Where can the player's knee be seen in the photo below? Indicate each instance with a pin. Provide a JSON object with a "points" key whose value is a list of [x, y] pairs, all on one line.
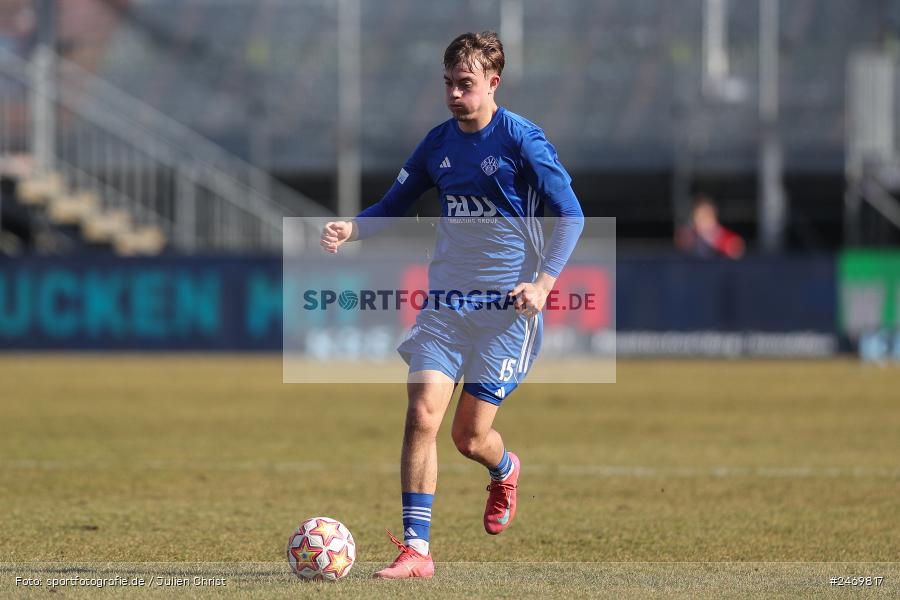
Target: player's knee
{"points": [[466, 442], [422, 419]]}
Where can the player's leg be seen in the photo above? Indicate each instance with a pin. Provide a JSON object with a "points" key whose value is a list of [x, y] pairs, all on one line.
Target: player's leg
{"points": [[476, 439], [435, 364], [499, 362], [429, 393], [473, 431]]}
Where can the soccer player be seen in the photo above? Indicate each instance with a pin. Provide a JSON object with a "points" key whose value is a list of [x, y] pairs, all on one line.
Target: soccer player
{"points": [[495, 172]]}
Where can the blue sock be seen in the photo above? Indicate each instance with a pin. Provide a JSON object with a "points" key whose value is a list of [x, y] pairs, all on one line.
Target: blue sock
{"points": [[502, 471], [417, 520]]}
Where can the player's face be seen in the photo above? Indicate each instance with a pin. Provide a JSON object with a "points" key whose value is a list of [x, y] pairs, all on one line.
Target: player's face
{"points": [[468, 93]]}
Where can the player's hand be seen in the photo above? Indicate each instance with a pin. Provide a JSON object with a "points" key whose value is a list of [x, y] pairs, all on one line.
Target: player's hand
{"points": [[530, 298], [334, 234]]}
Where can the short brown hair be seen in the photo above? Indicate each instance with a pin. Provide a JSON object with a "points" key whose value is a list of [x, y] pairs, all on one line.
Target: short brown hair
{"points": [[473, 49]]}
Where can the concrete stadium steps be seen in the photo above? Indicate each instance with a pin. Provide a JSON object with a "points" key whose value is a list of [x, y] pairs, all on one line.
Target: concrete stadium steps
{"points": [[102, 228], [80, 214], [38, 189], [72, 209], [149, 240]]}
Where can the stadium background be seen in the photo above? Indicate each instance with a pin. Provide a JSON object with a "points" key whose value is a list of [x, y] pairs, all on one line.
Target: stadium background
{"points": [[150, 148], [157, 115]]}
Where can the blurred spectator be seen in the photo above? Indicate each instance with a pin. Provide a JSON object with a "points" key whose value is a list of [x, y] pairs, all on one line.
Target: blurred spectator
{"points": [[704, 236]]}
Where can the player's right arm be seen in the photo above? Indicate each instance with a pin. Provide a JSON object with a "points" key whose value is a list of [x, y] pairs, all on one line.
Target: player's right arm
{"points": [[412, 181], [336, 233]]}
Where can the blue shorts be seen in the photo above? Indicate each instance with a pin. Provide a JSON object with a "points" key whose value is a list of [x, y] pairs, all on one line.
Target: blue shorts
{"points": [[492, 350]]}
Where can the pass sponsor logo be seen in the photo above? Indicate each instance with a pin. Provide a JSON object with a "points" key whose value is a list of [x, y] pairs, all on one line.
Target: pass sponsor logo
{"points": [[470, 206]]}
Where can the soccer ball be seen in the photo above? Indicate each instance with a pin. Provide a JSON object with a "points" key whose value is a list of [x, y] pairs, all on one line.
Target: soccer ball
{"points": [[321, 549]]}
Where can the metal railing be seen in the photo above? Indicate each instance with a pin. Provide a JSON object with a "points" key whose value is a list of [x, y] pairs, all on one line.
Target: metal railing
{"points": [[136, 158]]}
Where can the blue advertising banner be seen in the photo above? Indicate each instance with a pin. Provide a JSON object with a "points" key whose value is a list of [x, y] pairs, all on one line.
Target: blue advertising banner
{"points": [[200, 303], [777, 294], [147, 304]]}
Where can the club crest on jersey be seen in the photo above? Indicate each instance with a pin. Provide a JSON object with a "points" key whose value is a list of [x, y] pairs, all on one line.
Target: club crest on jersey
{"points": [[490, 165], [470, 206]]}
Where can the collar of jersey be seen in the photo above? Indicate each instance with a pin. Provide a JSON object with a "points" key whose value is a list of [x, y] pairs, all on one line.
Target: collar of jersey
{"points": [[484, 131]]}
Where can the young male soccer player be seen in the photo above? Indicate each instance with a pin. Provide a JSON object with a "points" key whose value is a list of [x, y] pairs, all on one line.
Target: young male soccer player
{"points": [[495, 172]]}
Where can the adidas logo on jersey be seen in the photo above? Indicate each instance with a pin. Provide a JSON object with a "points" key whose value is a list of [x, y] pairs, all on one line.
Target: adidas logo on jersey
{"points": [[445, 164]]}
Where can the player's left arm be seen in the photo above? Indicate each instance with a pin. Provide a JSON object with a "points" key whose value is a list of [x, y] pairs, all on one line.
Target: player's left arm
{"points": [[546, 175], [531, 297]]}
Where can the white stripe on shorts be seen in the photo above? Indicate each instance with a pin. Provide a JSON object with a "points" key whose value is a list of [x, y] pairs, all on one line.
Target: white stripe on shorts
{"points": [[530, 344], [524, 345]]}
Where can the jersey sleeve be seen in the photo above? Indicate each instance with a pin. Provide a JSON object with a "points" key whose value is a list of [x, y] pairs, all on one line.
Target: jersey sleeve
{"points": [[545, 174], [566, 232], [540, 164], [412, 181]]}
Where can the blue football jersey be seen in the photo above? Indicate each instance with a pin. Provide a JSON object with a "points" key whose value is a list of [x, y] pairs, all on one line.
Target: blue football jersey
{"points": [[493, 186]]}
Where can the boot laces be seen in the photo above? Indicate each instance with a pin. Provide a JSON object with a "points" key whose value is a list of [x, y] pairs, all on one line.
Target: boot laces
{"points": [[406, 553], [500, 492]]}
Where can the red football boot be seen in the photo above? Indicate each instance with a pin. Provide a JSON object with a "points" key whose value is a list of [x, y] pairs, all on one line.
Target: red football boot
{"points": [[501, 503], [409, 564]]}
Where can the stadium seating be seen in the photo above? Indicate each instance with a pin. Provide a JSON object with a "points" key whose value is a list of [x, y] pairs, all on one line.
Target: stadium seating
{"points": [[603, 79], [617, 85]]}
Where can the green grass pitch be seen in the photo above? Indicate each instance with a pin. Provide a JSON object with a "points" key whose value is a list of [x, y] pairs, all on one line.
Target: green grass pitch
{"points": [[684, 479]]}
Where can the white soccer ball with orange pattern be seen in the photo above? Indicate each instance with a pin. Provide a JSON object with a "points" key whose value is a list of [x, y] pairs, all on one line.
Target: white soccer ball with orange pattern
{"points": [[321, 549]]}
